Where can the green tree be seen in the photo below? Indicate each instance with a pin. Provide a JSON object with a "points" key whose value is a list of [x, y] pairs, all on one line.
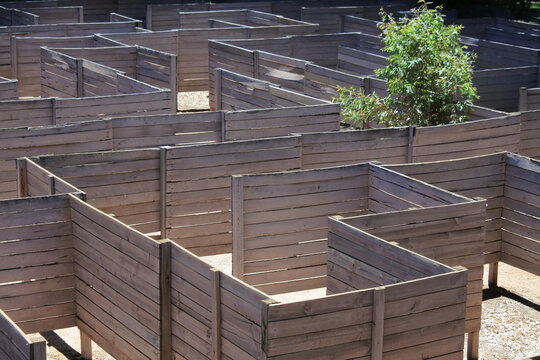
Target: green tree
{"points": [[429, 74]]}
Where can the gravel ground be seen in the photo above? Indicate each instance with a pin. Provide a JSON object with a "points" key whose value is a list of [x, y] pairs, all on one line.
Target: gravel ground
{"points": [[193, 100]]}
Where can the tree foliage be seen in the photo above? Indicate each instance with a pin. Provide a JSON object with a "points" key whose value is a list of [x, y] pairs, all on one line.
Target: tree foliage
{"points": [[429, 74]]}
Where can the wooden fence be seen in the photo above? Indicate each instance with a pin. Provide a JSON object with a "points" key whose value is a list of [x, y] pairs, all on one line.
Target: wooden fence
{"points": [[349, 60], [120, 312], [145, 65], [36, 275], [198, 187], [33, 180], [8, 89], [322, 149], [196, 28], [167, 16], [7, 52], [26, 54], [165, 41], [530, 130], [390, 146], [178, 305], [385, 305], [15, 345], [529, 99], [481, 176], [14, 17], [133, 132], [452, 235], [330, 18], [280, 220], [506, 181], [124, 184], [214, 315], [467, 139], [57, 15], [521, 223], [286, 61], [352, 23]]}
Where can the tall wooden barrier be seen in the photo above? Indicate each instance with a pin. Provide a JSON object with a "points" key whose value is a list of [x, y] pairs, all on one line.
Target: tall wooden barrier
{"points": [[285, 110], [34, 180], [500, 88], [369, 322], [14, 17], [143, 64], [8, 89], [165, 41], [238, 92], [330, 18], [466, 139], [9, 50], [521, 214], [196, 28], [529, 99], [279, 220], [197, 187], [57, 15], [119, 311], [322, 149], [91, 136], [88, 90], [507, 181], [25, 53], [255, 124], [213, 316], [15, 345], [37, 267], [530, 130], [453, 235], [167, 16], [353, 23], [481, 176], [156, 130], [121, 183]]}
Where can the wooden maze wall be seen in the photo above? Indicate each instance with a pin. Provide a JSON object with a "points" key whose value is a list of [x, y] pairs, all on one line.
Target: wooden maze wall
{"points": [[95, 208]]}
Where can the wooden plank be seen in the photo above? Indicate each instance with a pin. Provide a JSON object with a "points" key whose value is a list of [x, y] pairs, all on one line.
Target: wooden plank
{"points": [[377, 332], [165, 300]]}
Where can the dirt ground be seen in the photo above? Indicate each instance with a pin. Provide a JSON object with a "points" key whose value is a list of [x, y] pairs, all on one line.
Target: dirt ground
{"points": [[510, 327]]}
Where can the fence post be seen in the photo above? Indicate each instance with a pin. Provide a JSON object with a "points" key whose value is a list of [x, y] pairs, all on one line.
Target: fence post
{"points": [[377, 331], [53, 110], [38, 348], [410, 150], [522, 99], [174, 84], [86, 345], [22, 178], [256, 55], [473, 344], [223, 124], [81, 14], [237, 208], [165, 307], [80, 84], [13, 55], [52, 187], [217, 89], [215, 278], [163, 190], [149, 17], [493, 274]]}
